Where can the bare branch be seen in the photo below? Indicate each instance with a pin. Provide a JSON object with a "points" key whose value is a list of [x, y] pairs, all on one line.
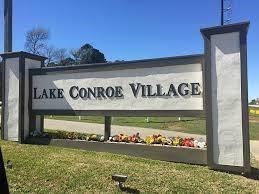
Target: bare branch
{"points": [[36, 40], [50, 53], [60, 55]]}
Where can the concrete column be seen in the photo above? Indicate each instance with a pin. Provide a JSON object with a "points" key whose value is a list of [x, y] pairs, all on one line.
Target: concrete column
{"points": [[107, 127], [226, 97], [15, 121]]}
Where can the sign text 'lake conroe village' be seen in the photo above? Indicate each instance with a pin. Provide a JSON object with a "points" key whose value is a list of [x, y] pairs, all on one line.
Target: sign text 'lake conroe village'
{"points": [[138, 90]]}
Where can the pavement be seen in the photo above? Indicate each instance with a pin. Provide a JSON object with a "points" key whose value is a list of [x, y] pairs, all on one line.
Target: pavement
{"points": [[95, 128], [116, 129]]}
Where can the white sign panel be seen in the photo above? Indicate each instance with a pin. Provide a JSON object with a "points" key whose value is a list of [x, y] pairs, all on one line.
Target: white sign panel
{"points": [[176, 87]]}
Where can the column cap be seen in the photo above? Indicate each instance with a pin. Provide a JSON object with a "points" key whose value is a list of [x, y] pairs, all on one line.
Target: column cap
{"points": [[22, 54], [236, 27]]}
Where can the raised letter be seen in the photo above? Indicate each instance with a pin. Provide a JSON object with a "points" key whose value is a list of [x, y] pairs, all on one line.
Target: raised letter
{"points": [[44, 94], [110, 92], [143, 87], [35, 94], [52, 93], [180, 89], [91, 92], [82, 93], [159, 90], [134, 89], [100, 92], [172, 89], [118, 92], [60, 93], [71, 92], [149, 91], [195, 89]]}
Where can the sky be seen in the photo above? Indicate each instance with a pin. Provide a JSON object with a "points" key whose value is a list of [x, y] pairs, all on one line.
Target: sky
{"points": [[133, 29]]}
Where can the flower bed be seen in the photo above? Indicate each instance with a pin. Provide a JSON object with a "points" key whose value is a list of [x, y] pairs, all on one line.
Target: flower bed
{"points": [[135, 138], [159, 139]]}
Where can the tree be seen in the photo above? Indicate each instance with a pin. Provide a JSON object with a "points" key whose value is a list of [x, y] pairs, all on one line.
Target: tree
{"points": [[253, 102], [76, 56], [36, 43], [36, 40], [60, 58], [60, 54], [117, 61], [50, 53], [67, 62], [88, 54]]}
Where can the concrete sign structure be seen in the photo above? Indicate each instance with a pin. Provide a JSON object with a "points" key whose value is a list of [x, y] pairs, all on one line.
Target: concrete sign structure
{"points": [[227, 96], [168, 84], [209, 85], [15, 94]]}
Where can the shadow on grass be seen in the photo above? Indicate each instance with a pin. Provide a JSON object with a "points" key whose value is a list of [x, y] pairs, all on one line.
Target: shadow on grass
{"points": [[38, 141], [129, 190], [254, 174]]}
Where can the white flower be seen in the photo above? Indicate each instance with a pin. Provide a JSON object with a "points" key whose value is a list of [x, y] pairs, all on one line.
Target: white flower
{"points": [[201, 144], [195, 143]]}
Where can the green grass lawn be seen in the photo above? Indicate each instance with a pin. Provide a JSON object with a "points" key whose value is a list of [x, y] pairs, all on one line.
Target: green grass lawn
{"points": [[186, 124], [254, 131], [47, 169]]}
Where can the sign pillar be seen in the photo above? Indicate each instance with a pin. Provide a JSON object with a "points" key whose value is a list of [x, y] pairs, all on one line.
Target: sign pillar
{"points": [[107, 127], [226, 97], [15, 95]]}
